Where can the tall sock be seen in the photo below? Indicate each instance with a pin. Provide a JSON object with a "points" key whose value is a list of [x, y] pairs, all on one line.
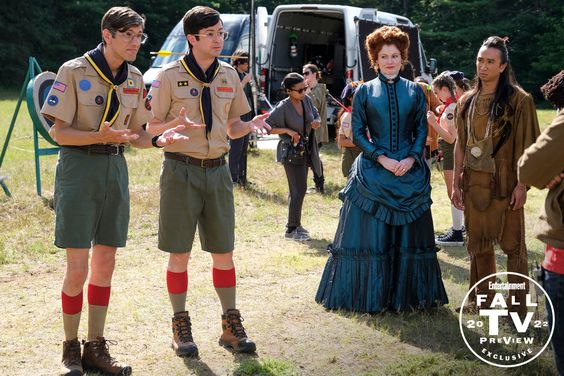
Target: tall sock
{"points": [[457, 218], [72, 307], [177, 285], [98, 301], [224, 282]]}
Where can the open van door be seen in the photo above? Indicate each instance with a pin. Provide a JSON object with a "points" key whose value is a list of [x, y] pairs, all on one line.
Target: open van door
{"points": [[365, 27], [261, 33]]}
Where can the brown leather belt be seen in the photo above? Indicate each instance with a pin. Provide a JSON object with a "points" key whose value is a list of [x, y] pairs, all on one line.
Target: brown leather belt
{"points": [[203, 163], [100, 149]]}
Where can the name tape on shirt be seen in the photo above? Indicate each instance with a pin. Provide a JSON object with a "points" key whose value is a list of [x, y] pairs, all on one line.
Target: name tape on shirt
{"points": [[225, 89], [129, 90]]}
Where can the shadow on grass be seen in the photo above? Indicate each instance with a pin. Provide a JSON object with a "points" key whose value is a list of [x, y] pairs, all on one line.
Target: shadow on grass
{"points": [[455, 273], [252, 189], [198, 367]]}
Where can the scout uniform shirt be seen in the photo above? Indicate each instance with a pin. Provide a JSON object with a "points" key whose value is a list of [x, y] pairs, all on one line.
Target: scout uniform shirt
{"points": [[174, 88], [78, 97]]}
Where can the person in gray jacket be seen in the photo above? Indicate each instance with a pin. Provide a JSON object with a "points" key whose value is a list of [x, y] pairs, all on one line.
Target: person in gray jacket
{"points": [[293, 119]]}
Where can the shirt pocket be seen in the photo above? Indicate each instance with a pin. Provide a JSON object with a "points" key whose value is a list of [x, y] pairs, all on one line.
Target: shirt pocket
{"points": [[224, 92], [130, 100], [91, 105]]}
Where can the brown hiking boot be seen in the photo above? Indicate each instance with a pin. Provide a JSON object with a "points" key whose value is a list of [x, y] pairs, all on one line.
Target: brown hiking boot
{"points": [[96, 358], [71, 364], [182, 341], [234, 336]]}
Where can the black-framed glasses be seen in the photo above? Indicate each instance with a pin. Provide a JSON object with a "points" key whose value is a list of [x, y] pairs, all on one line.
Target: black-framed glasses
{"points": [[214, 34], [129, 36], [299, 91], [306, 73]]}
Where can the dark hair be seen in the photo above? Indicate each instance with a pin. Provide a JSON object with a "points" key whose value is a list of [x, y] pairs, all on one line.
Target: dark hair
{"points": [[506, 85], [199, 18], [462, 82], [120, 19], [386, 35], [292, 79], [239, 57], [553, 90], [313, 68], [445, 80]]}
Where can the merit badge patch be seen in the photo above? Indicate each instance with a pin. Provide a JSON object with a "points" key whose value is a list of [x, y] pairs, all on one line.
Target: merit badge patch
{"points": [[194, 92], [59, 86], [52, 100], [148, 103], [156, 84], [182, 83], [131, 90], [130, 83], [225, 89], [85, 85], [99, 100]]}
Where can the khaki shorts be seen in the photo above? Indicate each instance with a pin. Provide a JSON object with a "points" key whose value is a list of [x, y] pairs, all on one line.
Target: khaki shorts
{"points": [[190, 196], [91, 199]]}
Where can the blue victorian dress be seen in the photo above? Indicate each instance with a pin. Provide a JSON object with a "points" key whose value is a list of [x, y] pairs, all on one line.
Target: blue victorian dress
{"points": [[383, 256]]}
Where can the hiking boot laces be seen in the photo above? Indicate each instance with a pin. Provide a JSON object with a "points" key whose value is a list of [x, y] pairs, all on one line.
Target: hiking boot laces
{"points": [[235, 321], [184, 329], [102, 350]]}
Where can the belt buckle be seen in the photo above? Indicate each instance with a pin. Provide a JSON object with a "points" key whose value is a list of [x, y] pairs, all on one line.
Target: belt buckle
{"points": [[202, 163], [117, 149]]}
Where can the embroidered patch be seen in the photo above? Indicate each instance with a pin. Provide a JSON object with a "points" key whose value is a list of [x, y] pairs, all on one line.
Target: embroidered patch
{"points": [[148, 103], [126, 120], [194, 92], [99, 100], [450, 116], [52, 100], [149, 97], [128, 90], [59, 86], [224, 81], [225, 89], [156, 84], [130, 83], [85, 85], [182, 83]]}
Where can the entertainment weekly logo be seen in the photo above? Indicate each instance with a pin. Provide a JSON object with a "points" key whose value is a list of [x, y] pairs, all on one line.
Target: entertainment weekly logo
{"points": [[495, 332]]}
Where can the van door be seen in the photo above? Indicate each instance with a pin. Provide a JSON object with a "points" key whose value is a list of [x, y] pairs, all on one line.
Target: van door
{"points": [[365, 27]]}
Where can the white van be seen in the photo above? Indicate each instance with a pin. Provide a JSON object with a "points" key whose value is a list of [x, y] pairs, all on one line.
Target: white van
{"points": [[332, 37]]}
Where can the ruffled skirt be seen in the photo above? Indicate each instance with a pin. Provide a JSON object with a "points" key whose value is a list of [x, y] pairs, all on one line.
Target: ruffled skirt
{"points": [[374, 266]]}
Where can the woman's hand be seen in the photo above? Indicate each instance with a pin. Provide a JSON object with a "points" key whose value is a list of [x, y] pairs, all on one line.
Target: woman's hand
{"points": [[294, 135], [404, 166], [388, 163]]}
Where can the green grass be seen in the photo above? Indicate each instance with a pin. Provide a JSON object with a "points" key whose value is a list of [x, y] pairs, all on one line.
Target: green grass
{"points": [[277, 281]]}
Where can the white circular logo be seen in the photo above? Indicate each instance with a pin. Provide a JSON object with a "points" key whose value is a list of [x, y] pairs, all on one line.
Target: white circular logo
{"points": [[505, 324]]}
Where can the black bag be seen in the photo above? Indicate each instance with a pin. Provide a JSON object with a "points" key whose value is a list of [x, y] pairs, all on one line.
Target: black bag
{"points": [[297, 154]]}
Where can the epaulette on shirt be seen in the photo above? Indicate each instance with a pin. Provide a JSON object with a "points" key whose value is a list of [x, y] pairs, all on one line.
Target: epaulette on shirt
{"points": [[78, 62], [133, 70]]}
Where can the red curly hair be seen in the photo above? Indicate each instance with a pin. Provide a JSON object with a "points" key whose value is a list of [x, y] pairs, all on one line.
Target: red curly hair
{"points": [[386, 35]]}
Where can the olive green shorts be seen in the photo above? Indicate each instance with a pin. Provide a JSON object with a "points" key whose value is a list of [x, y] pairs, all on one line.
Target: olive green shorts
{"points": [[91, 199], [190, 196]]}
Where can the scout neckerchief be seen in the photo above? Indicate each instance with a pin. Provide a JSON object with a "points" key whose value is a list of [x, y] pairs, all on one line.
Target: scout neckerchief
{"points": [[96, 58], [448, 102], [204, 79]]}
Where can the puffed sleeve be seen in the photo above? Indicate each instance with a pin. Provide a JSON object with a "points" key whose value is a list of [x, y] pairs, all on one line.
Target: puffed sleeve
{"points": [[360, 125]]}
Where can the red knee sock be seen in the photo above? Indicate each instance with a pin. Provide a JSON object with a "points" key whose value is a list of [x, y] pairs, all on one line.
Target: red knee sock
{"points": [[99, 296], [176, 283], [224, 278], [71, 304]]}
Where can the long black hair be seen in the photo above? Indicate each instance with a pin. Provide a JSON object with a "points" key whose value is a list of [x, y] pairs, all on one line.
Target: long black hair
{"points": [[506, 86]]}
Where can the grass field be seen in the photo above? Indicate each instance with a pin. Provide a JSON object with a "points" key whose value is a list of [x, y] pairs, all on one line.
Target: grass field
{"points": [[277, 282]]}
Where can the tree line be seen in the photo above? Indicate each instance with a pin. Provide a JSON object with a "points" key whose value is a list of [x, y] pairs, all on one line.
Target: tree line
{"points": [[54, 31]]}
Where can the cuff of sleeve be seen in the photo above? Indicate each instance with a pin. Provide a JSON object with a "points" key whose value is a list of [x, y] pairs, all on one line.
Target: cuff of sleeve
{"points": [[375, 154], [416, 156]]}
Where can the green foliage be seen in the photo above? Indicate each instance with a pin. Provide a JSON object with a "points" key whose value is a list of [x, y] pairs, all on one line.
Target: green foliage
{"points": [[452, 31], [268, 367]]}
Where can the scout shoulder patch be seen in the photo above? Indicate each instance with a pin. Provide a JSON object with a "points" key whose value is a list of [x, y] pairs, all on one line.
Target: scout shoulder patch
{"points": [[130, 83], [52, 100], [182, 83], [156, 84]]}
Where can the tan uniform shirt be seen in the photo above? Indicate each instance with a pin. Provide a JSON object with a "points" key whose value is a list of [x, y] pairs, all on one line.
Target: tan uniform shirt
{"points": [[174, 88], [447, 119], [78, 97]]}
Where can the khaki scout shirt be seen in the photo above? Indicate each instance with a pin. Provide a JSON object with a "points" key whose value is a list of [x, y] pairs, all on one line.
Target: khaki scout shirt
{"points": [[174, 88], [78, 97]]}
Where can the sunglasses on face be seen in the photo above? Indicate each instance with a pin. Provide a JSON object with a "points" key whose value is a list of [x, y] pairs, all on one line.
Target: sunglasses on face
{"points": [[307, 73], [299, 91]]}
